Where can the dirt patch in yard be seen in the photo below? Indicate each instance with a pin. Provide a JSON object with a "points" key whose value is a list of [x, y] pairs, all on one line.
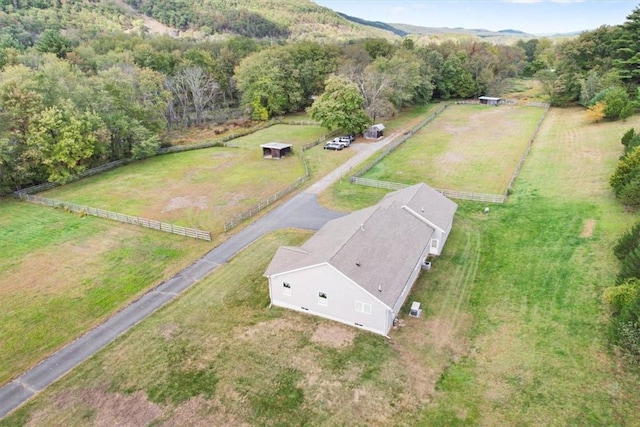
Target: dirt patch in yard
{"points": [[197, 202], [110, 409], [264, 329], [444, 336], [589, 227], [336, 336], [42, 272], [198, 412]]}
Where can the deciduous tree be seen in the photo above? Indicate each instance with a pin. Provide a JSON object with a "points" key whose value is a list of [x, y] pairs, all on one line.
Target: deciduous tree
{"points": [[341, 106]]}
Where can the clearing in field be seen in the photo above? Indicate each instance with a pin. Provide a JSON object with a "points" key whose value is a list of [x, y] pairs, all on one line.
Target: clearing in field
{"points": [[472, 148], [202, 188], [61, 274]]}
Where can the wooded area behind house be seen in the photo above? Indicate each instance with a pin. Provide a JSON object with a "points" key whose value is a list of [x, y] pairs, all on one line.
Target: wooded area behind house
{"points": [[82, 83]]}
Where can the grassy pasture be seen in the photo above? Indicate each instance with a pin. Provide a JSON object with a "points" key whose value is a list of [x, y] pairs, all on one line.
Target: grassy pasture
{"points": [[512, 331], [61, 274], [472, 148], [202, 188]]}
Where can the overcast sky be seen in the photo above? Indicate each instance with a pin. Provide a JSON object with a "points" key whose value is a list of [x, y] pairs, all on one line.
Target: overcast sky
{"points": [[531, 16]]}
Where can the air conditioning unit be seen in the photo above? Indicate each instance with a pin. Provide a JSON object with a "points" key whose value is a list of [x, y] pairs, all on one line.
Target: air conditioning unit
{"points": [[426, 265], [415, 310]]}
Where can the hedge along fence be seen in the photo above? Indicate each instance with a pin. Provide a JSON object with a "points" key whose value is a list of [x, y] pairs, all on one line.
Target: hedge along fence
{"points": [[134, 220], [233, 222], [453, 194]]}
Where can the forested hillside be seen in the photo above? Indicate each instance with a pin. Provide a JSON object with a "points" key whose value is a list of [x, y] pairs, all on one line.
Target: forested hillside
{"points": [[297, 19], [82, 83]]}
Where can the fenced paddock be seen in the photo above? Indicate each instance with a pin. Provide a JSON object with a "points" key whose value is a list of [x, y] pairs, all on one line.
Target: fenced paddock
{"points": [[116, 216], [471, 149], [461, 195], [205, 189]]}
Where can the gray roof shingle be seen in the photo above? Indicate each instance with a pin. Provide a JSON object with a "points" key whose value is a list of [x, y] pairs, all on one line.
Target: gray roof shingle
{"points": [[376, 247]]}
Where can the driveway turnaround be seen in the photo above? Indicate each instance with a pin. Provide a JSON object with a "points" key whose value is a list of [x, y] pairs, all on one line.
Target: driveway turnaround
{"points": [[301, 211]]}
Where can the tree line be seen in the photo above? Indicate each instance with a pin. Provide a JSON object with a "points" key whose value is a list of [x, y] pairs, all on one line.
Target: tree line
{"points": [[624, 297], [68, 104], [70, 100]]}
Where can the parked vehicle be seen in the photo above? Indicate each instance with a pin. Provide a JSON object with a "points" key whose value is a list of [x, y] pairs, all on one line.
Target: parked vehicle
{"points": [[349, 138], [338, 140], [345, 139], [333, 146]]}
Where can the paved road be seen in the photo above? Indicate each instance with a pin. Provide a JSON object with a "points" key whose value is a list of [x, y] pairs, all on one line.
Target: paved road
{"points": [[301, 211]]}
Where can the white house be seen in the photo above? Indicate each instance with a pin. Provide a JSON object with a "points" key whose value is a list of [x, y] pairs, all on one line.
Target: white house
{"points": [[359, 269]]}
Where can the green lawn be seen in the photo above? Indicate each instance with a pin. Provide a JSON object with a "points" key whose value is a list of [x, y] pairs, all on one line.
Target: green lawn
{"points": [[200, 188], [61, 274], [466, 148], [513, 329]]}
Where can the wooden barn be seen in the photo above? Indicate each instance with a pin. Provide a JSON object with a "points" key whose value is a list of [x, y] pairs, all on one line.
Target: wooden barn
{"points": [[360, 268], [489, 100], [275, 150], [374, 131]]}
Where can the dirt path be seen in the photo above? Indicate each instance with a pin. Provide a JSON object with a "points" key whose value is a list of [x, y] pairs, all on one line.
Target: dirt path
{"points": [[153, 26]]}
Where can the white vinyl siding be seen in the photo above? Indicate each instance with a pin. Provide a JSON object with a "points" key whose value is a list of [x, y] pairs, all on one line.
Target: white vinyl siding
{"points": [[363, 307], [322, 299], [286, 288]]}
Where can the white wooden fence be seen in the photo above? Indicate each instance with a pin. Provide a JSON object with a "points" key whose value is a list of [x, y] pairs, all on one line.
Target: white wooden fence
{"points": [[262, 205], [115, 216], [453, 194]]}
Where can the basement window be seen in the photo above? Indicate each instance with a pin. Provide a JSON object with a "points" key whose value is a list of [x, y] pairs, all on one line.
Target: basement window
{"points": [[322, 299], [286, 288], [363, 307]]}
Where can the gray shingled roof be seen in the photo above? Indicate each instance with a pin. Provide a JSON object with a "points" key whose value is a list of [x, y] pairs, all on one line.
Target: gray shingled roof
{"points": [[276, 145], [375, 247], [427, 202]]}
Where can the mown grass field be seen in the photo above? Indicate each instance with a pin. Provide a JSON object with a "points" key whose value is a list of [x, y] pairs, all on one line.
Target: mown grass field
{"points": [[513, 330], [202, 188], [473, 148], [61, 274]]}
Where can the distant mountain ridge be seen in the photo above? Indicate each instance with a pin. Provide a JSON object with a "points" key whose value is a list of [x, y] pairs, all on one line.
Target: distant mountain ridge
{"points": [[376, 24], [478, 32]]}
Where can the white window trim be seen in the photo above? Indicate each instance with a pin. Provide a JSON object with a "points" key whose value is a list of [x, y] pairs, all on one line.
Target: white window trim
{"points": [[363, 307], [435, 243], [323, 301], [286, 288]]}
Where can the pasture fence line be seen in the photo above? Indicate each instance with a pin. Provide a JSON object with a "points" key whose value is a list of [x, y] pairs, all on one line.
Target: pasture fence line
{"points": [[502, 101], [453, 194], [395, 144], [89, 172], [233, 222], [217, 142], [115, 216], [516, 172], [538, 104]]}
